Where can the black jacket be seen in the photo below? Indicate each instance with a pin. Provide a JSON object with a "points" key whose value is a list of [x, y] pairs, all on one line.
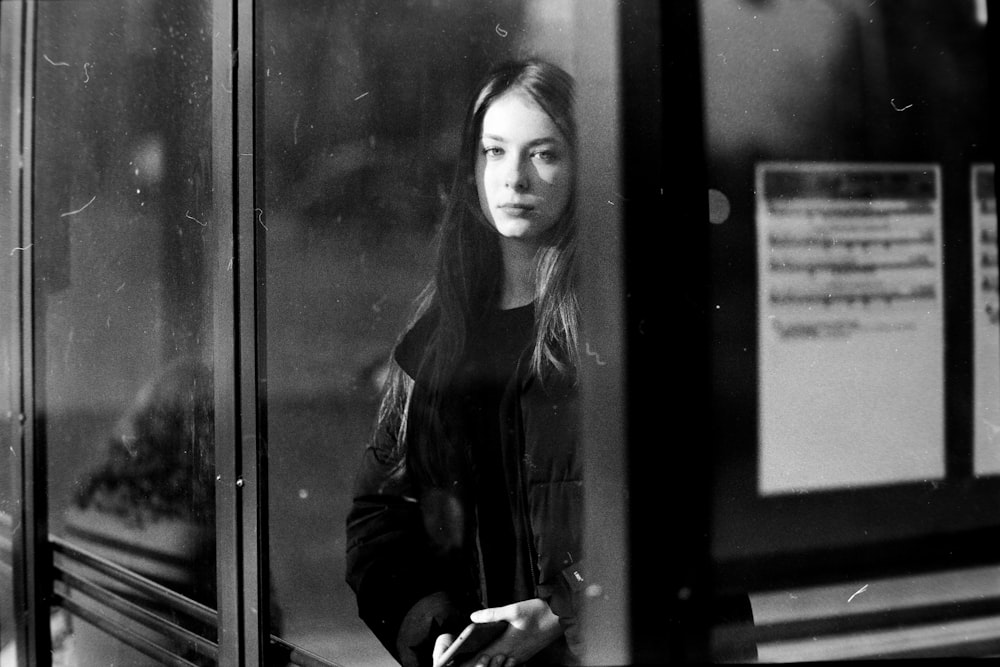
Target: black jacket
{"points": [[409, 590]]}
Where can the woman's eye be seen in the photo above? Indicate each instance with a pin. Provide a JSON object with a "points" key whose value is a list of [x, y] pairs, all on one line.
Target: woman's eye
{"points": [[492, 151], [545, 156]]}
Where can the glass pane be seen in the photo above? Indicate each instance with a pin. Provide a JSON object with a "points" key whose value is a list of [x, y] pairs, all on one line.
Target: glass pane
{"points": [[122, 292], [363, 105]]}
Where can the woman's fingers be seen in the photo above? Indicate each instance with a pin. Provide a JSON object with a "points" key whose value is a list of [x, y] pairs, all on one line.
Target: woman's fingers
{"points": [[509, 613], [490, 615], [518, 614], [532, 627], [494, 661], [440, 645]]}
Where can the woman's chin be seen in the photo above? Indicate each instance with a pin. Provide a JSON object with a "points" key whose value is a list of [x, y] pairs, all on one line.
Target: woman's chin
{"points": [[520, 229]]}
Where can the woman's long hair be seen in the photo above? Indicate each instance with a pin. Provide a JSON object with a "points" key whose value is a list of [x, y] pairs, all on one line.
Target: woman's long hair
{"points": [[467, 284]]}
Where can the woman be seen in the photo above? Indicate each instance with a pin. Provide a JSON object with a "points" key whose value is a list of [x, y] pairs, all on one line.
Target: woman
{"points": [[468, 499]]}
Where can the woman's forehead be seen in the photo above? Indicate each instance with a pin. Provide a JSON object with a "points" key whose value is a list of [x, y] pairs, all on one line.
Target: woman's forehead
{"points": [[515, 115]]}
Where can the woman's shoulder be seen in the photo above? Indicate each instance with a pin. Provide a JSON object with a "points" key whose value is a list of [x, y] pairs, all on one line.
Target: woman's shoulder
{"points": [[410, 348]]}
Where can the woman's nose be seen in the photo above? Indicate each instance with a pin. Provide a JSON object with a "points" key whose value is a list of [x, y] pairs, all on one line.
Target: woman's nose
{"points": [[517, 174]]}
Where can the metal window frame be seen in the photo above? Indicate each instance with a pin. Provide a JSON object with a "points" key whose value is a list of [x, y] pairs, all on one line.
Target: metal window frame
{"points": [[29, 548], [241, 455]]}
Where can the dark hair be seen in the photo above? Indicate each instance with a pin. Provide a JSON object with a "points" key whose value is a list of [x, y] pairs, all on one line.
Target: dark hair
{"points": [[468, 277]]}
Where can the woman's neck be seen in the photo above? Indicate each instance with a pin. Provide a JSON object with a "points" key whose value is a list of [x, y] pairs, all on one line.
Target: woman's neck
{"points": [[518, 273]]}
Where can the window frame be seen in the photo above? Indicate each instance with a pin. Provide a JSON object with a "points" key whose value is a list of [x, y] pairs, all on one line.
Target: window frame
{"points": [[29, 548]]}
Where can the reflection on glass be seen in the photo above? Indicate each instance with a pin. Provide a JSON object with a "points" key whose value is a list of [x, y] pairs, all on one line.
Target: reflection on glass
{"points": [[123, 303], [362, 114]]}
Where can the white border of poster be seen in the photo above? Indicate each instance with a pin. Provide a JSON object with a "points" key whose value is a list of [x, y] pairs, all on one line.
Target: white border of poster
{"points": [[850, 325], [985, 281]]}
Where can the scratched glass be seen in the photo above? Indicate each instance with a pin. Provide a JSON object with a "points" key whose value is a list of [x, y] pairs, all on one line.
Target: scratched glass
{"points": [[362, 112], [123, 300]]}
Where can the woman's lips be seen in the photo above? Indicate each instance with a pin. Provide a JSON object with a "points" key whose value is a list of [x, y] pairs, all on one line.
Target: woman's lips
{"points": [[517, 210]]}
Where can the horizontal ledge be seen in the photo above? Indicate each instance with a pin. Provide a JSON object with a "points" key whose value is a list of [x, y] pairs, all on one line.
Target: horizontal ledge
{"points": [[298, 656], [125, 576], [980, 637], [884, 619], [136, 613], [122, 634]]}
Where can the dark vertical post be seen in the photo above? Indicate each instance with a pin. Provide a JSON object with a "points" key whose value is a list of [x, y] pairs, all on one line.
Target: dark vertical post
{"points": [[666, 331], [32, 558], [251, 228], [240, 445]]}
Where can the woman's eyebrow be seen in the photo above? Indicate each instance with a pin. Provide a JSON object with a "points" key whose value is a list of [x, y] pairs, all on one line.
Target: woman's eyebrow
{"points": [[543, 140], [533, 142]]}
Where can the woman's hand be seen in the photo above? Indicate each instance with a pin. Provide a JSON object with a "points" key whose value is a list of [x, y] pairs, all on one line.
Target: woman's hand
{"points": [[533, 626], [440, 645]]}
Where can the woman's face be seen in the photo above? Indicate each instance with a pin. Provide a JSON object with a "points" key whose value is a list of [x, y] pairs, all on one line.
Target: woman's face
{"points": [[524, 168]]}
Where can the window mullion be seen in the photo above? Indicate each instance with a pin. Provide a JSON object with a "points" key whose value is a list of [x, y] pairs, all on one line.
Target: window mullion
{"points": [[251, 230], [241, 535], [227, 454], [32, 559]]}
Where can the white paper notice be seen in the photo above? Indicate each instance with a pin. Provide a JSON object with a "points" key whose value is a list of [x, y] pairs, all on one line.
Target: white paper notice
{"points": [[987, 336], [851, 338]]}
